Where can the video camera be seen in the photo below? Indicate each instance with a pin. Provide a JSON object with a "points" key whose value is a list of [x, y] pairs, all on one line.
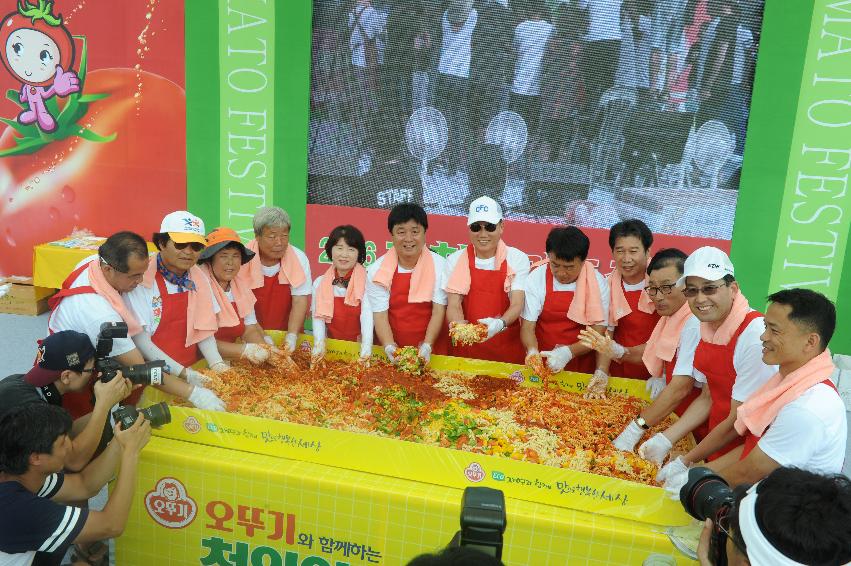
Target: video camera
{"points": [[707, 495], [158, 415], [483, 521], [149, 373]]}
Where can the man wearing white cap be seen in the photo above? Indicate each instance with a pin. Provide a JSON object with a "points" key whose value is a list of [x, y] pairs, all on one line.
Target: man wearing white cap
{"points": [[485, 284], [92, 295], [176, 308], [728, 358]]}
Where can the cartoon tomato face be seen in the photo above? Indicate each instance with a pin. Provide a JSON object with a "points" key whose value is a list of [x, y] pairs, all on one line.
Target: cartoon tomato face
{"points": [[32, 55]]}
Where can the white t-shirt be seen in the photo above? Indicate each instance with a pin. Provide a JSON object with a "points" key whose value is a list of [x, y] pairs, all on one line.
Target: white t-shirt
{"points": [[810, 432], [530, 39], [751, 372], [85, 313], [518, 261], [372, 23], [379, 297], [455, 50], [365, 305], [689, 339], [604, 19], [250, 318], [536, 292], [305, 288], [147, 304]]}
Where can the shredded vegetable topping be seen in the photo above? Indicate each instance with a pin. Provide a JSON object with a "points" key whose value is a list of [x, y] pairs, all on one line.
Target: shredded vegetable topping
{"points": [[467, 333]]}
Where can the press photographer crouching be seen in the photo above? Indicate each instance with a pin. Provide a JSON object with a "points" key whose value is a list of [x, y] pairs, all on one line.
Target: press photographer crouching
{"points": [[36, 524], [792, 517], [66, 364]]}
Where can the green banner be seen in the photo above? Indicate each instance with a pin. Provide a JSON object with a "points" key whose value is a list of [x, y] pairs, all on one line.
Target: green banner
{"points": [[813, 229]]}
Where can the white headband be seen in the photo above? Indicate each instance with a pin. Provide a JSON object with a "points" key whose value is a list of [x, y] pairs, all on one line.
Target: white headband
{"points": [[760, 551]]}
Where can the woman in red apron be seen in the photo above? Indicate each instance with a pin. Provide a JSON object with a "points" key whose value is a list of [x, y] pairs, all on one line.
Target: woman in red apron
{"points": [[493, 296], [341, 307], [221, 261]]}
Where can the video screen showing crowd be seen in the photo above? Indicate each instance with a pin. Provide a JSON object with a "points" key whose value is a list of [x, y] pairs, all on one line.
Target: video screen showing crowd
{"points": [[588, 110]]}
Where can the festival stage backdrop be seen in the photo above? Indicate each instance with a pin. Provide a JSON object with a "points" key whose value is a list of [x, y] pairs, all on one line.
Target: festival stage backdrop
{"points": [[94, 133]]}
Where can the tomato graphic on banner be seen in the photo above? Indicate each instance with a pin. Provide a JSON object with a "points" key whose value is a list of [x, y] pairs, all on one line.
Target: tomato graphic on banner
{"points": [[169, 505], [95, 121]]}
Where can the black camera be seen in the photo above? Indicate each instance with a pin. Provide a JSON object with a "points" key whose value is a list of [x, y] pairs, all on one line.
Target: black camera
{"points": [[483, 521], [158, 415], [150, 373], [707, 495]]}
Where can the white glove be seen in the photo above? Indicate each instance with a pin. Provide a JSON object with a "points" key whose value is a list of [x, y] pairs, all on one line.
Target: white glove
{"points": [[389, 350], [495, 326], [196, 377], [290, 342], [656, 449], [597, 386], [655, 385], [255, 353], [670, 469], [558, 357], [630, 436], [617, 350], [676, 479], [365, 350], [219, 367], [205, 399], [268, 339], [425, 352], [318, 348]]}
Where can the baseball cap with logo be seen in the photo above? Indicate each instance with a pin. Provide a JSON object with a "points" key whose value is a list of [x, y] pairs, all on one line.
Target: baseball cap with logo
{"points": [[484, 209], [707, 262], [183, 227], [56, 353], [222, 237]]}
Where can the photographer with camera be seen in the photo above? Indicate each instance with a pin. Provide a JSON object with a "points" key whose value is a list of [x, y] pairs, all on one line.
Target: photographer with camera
{"points": [[91, 297], [792, 517], [65, 364], [35, 523]]}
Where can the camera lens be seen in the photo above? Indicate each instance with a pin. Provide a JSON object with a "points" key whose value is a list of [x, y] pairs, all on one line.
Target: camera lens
{"points": [[705, 493], [158, 414]]}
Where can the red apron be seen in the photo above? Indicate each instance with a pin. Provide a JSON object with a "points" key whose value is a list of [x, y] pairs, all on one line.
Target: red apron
{"points": [[633, 330], [78, 403], [487, 298], [274, 301], [701, 431], [554, 328], [170, 335], [716, 363], [409, 321], [751, 440], [232, 333], [345, 324]]}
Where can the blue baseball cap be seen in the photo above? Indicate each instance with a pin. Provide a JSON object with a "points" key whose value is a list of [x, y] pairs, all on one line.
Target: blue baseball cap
{"points": [[58, 352]]}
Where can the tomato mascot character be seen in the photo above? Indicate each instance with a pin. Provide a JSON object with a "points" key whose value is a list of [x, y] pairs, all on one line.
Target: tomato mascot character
{"points": [[37, 49]]}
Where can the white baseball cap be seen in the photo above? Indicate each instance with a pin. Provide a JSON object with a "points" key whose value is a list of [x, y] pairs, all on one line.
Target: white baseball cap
{"points": [[183, 227], [484, 209], [707, 262]]}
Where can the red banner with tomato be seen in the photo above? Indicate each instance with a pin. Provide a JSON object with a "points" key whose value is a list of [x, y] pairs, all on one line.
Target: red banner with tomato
{"points": [[94, 110]]}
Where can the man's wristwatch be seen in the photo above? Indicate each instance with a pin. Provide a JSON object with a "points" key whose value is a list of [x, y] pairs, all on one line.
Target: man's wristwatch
{"points": [[639, 420]]}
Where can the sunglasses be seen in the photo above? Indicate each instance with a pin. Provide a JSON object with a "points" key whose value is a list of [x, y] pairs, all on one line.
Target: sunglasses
{"points": [[664, 289], [196, 246], [707, 290], [477, 226]]}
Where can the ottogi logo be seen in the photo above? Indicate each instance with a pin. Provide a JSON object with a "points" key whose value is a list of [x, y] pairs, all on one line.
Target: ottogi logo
{"points": [[516, 376], [474, 472], [191, 425], [169, 505]]}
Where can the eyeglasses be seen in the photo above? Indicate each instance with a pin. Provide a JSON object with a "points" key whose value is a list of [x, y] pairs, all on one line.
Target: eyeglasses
{"points": [[707, 290], [665, 289], [196, 246], [477, 226]]}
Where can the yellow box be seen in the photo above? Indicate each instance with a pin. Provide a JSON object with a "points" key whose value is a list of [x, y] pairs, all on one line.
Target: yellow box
{"points": [[18, 295]]}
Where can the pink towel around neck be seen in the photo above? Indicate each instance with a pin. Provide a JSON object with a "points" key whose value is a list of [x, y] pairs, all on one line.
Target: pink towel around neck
{"points": [[724, 333], [201, 321], [665, 339], [587, 305], [459, 280], [99, 283], [242, 296], [423, 277], [619, 306], [291, 272], [325, 293], [762, 407]]}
